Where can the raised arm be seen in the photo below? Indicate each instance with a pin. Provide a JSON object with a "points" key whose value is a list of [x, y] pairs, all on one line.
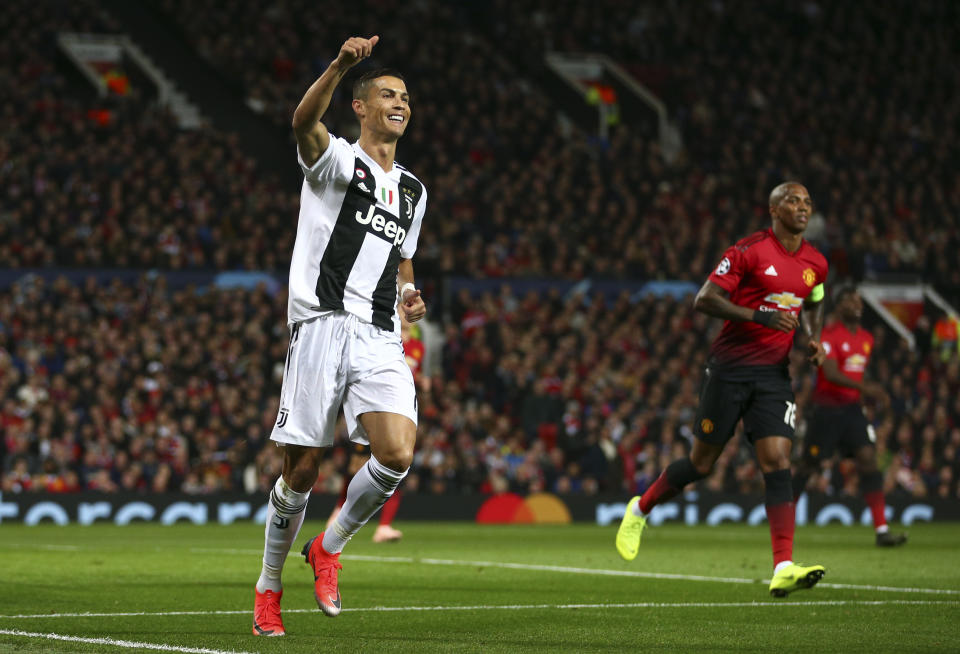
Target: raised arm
{"points": [[312, 136], [714, 301]]}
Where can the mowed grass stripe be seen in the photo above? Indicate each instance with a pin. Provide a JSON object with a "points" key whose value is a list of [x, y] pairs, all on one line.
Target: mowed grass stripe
{"points": [[561, 569], [500, 607], [595, 571], [398, 604], [555, 568]]}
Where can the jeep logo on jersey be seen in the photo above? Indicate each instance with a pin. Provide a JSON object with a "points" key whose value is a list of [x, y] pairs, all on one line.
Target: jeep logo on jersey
{"points": [[785, 300], [382, 225]]}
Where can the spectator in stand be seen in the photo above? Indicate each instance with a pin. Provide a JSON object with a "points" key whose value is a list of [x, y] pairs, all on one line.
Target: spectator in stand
{"points": [[62, 211], [944, 338], [665, 217], [189, 399], [81, 203]]}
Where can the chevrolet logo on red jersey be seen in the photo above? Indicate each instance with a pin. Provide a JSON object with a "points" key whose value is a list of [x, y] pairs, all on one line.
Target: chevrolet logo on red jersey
{"points": [[855, 363], [785, 300]]}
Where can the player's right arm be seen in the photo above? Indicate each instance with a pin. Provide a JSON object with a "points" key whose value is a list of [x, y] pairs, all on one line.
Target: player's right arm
{"points": [[713, 300], [833, 374], [312, 135]]}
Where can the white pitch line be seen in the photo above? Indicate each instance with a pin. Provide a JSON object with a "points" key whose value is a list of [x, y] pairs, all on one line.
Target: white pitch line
{"points": [[132, 614], [888, 589], [129, 644], [42, 546], [511, 607], [593, 571], [587, 571], [666, 575], [601, 571]]}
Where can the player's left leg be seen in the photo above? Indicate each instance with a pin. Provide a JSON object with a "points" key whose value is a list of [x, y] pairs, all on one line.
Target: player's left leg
{"points": [[871, 485], [773, 454], [769, 424], [392, 438], [380, 407], [357, 459]]}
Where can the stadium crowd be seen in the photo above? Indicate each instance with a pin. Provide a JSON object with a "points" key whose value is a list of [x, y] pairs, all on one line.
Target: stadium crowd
{"points": [[521, 192], [139, 387], [526, 197], [114, 182]]}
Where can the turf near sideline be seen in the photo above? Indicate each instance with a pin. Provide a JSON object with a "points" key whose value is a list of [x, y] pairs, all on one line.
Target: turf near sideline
{"points": [[478, 589]]}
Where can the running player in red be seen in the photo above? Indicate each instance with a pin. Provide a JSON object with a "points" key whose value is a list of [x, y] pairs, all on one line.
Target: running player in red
{"points": [[759, 289], [838, 421]]}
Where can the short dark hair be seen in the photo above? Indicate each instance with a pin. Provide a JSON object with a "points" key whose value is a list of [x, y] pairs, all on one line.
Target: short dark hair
{"points": [[361, 85], [842, 291]]}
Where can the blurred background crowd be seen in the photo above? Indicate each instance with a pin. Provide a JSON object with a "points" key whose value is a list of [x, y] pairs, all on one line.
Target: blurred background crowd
{"points": [[139, 385]]}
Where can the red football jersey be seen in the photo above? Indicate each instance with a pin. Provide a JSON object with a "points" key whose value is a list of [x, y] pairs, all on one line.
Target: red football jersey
{"points": [[413, 351], [759, 273], [851, 351]]}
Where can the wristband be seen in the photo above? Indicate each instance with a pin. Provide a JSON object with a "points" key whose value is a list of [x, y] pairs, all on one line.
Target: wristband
{"points": [[763, 317], [406, 287]]}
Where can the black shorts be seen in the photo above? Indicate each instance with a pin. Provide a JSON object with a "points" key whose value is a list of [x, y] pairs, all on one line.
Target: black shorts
{"points": [[833, 428], [762, 397]]}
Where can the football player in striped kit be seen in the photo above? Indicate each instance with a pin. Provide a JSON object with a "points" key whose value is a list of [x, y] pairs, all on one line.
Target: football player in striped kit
{"points": [[351, 270]]}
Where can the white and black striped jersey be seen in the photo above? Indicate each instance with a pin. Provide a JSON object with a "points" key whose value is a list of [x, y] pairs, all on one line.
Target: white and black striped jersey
{"points": [[356, 223]]}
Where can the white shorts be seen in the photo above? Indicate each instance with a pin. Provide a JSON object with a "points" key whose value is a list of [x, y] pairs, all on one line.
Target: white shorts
{"points": [[338, 359]]}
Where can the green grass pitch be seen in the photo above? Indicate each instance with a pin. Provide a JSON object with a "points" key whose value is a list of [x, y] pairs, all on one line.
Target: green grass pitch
{"points": [[457, 587]]}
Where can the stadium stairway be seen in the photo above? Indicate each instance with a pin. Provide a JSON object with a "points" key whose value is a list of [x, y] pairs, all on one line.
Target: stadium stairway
{"points": [[217, 98]]}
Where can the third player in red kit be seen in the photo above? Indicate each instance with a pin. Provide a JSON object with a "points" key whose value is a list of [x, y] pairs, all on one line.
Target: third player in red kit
{"points": [[764, 287], [838, 422]]}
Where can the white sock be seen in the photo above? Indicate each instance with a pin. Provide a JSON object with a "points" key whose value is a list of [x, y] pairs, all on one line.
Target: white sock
{"points": [[368, 491], [285, 513], [780, 566], [636, 510], [882, 529]]}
